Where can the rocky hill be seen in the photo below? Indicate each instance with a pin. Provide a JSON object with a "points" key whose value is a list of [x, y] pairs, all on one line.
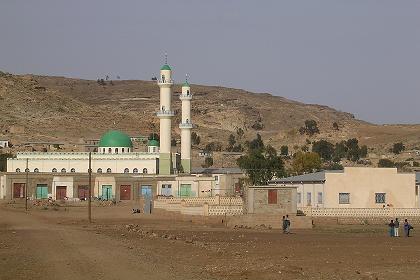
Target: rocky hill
{"points": [[44, 108]]}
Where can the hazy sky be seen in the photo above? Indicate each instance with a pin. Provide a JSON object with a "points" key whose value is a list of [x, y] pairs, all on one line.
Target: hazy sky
{"points": [[359, 56]]}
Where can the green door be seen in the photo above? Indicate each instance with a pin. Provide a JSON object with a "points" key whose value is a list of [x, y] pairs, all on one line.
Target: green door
{"points": [[41, 191], [106, 192], [185, 190]]}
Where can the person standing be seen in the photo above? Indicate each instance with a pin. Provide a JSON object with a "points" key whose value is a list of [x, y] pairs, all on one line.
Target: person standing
{"points": [[284, 224], [396, 227], [391, 228], [287, 224], [407, 228]]}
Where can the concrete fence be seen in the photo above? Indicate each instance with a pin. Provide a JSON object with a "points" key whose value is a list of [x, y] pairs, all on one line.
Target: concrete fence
{"points": [[213, 200], [212, 206], [360, 212]]}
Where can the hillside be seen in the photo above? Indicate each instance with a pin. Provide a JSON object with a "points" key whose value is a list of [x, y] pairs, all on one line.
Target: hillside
{"points": [[71, 110]]}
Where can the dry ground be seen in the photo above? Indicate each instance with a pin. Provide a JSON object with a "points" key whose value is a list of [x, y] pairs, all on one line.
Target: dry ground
{"points": [[60, 244]]}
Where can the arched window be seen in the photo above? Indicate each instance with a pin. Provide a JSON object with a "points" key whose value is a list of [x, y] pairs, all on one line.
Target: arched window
{"points": [[63, 170], [17, 169], [103, 150], [128, 150], [188, 92], [163, 78], [122, 150], [126, 170], [145, 170], [116, 150], [108, 170], [36, 170], [99, 170], [26, 169], [72, 170], [54, 170], [135, 170], [109, 150]]}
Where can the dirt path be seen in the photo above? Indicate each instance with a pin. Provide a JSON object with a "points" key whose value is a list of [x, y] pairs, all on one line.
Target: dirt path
{"points": [[31, 248], [58, 244]]}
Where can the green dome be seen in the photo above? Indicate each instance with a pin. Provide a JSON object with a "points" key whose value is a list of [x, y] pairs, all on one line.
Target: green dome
{"points": [[186, 84], [115, 138], [154, 143], [165, 67]]}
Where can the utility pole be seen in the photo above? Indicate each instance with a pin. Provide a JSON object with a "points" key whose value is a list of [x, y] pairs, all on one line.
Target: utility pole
{"points": [[26, 185], [90, 189]]}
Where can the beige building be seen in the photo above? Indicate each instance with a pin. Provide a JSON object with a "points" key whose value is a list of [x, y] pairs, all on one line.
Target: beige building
{"points": [[355, 187]]}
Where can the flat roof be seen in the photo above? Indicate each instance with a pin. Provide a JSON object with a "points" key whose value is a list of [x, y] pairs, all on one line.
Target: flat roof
{"points": [[227, 170], [309, 177], [418, 177]]}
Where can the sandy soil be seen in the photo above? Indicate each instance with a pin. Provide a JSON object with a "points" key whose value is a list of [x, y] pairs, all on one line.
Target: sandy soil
{"points": [[60, 244]]}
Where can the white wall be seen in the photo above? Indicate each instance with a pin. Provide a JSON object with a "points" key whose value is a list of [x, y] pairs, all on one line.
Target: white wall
{"points": [[117, 163]]}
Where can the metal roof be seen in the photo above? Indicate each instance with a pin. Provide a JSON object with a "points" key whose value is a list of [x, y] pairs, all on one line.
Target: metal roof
{"points": [[310, 177], [227, 170]]}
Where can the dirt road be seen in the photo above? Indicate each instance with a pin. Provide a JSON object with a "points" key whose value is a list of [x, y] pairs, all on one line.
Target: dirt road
{"points": [[61, 245]]}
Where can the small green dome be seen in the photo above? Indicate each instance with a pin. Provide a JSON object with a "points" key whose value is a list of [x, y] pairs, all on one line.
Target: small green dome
{"points": [[154, 143], [165, 67], [186, 84], [115, 138]]}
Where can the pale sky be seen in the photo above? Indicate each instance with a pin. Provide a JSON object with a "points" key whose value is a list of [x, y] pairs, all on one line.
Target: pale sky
{"points": [[359, 56]]}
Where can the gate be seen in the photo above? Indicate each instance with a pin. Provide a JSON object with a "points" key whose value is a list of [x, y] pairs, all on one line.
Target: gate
{"points": [[125, 192], [185, 190], [146, 192], [83, 192], [41, 191], [106, 192], [61, 192], [18, 190]]}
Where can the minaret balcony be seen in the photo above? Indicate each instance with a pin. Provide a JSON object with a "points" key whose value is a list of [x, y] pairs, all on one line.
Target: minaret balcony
{"points": [[186, 125], [185, 96], [165, 82], [165, 113]]}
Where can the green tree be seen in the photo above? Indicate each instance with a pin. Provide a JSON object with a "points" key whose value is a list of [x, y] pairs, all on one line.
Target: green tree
{"points": [[284, 150], [416, 164], [353, 150], [340, 151], [208, 161], [363, 151], [333, 166], [384, 162], [231, 143], [324, 149], [240, 133], [306, 162], [195, 138], [213, 147], [261, 163], [398, 148], [310, 128]]}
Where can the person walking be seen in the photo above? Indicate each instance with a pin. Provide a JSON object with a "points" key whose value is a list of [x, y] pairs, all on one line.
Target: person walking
{"points": [[284, 224], [407, 228], [287, 224], [396, 228], [391, 228]]}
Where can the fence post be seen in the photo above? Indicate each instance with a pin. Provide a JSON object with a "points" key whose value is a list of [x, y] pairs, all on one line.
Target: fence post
{"points": [[206, 209]]}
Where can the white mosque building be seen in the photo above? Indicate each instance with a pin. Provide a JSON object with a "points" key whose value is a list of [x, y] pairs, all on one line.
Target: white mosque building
{"points": [[115, 149]]}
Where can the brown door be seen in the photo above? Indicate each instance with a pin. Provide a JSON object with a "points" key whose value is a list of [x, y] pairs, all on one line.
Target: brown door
{"points": [[61, 192], [125, 192], [18, 190], [83, 192]]}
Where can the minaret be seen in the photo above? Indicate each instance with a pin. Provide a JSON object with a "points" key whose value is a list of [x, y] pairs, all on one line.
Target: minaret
{"points": [[165, 115], [186, 126]]}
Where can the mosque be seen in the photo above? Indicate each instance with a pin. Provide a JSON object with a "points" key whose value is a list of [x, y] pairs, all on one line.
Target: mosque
{"points": [[119, 172], [115, 149]]}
